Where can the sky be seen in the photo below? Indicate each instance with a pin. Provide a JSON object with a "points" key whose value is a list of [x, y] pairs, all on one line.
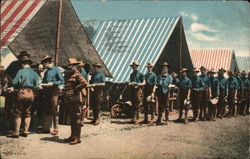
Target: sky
{"points": [[207, 24]]}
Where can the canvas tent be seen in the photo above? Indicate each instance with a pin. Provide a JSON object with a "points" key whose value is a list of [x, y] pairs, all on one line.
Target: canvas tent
{"points": [[154, 40], [31, 25], [217, 58], [243, 63]]}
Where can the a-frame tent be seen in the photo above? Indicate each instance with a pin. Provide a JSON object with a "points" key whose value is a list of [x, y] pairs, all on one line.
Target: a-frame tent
{"points": [[154, 40], [31, 25]]}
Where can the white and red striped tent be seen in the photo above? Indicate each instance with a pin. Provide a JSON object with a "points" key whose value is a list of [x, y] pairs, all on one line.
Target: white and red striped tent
{"points": [[15, 15], [31, 25], [217, 58]]}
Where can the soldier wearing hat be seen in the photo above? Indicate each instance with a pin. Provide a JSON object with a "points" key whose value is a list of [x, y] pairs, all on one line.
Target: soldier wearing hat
{"points": [[246, 93], [11, 72], [238, 105], [25, 81], [222, 92], [81, 69], [214, 91], [149, 91], [197, 87], [204, 94], [15, 66], [184, 85], [232, 85], [52, 79], [137, 80], [163, 82], [98, 79], [74, 85]]}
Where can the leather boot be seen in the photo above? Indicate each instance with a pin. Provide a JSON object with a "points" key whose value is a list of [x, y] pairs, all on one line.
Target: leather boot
{"points": [[166, 117], [77, 133], [17, 128], [47, 119], [26, 127], [55, 124], [158, 121], [180, 115], [97, 118], [186, 117]]}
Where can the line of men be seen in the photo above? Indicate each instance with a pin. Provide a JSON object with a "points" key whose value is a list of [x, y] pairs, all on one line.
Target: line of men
{"points": [[208, 95], [44, 86], [28, 86]]}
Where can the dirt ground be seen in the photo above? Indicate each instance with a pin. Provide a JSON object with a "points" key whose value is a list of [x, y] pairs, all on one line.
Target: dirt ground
{"points": [[116, 139]]}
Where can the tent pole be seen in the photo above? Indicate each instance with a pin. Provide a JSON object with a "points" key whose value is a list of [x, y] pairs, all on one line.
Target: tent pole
{"points": [[180, 51], [58, 32]]}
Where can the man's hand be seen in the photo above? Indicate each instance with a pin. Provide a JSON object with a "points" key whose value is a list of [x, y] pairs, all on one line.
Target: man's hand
{"points": [[10, 89]]}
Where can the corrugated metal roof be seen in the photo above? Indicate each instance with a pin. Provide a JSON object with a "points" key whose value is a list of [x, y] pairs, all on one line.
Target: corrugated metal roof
{"points": [[243, 63], [119, 42], [15, 14], [213, 59]]}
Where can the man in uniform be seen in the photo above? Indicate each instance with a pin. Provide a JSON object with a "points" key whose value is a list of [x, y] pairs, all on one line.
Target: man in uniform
{"points": [[137, 80], [149, 90], [52, 78], [25, 81], [75, 83], [204, 94], [85, 76], [11, 72], [239, 93], [98, 81], [246, 93], [184, 85], [197, 87], [163, 82], [222, 93], [232, 93], [214, 91]]}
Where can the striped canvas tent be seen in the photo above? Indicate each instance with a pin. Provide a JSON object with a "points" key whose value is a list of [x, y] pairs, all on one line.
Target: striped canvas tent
{"points": [[31, 25], [218, 58], [154, 40], [15, 15], [243, 63]]}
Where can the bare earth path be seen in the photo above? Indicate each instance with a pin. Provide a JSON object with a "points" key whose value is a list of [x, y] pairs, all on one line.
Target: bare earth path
{"points": [[115, 139]]}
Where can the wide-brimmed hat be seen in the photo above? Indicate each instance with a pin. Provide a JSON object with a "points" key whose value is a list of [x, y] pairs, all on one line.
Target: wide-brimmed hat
{"points": [[81, 63], [134, 64], [243, 73], [184, 70], [73, 61], [23, 53], [221, 70], [230, 72], [97, 64], [211, 71], [46, 58], [164, 64], [149, 65], [2, 68], [26, 59], [195, 70], [202, 68]]}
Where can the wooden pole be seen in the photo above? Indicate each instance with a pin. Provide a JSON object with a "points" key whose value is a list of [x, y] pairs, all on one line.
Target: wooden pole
{"points": [[180, 46], [58, 33]]}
